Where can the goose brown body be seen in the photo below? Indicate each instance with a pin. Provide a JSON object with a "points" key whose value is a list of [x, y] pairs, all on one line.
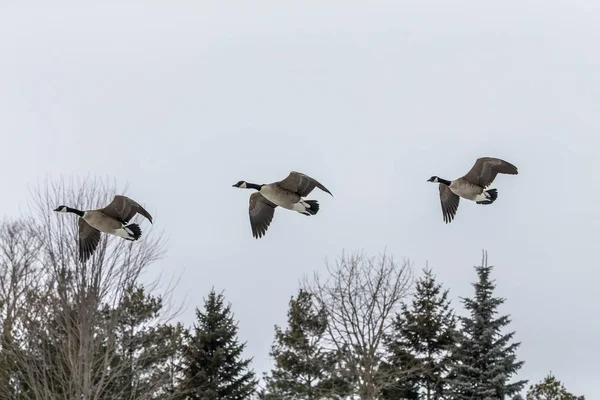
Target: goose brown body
{"points": [[287, 193], [112, 219], [473, 185]]}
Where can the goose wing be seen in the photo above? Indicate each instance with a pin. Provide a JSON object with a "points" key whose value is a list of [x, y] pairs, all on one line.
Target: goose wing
{"points": [[124, 209], [449, 201], [302, 184], [261, 213], [88, 240], [485, 169]]}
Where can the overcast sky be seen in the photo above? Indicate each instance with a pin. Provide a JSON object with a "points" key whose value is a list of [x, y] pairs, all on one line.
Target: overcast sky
{"points": [[183, 99]]}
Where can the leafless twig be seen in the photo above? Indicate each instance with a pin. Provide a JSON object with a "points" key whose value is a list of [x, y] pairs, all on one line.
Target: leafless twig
{"points": [[361, 296]]}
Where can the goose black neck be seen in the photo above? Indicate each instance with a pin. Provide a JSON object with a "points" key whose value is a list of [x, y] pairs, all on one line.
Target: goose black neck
{"points": [[75, 211], [253, 186], [445, 182]]}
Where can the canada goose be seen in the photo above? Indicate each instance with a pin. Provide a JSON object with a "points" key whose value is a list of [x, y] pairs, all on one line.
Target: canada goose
{"points": [[112, 219], [473, 185], [287, 193]]}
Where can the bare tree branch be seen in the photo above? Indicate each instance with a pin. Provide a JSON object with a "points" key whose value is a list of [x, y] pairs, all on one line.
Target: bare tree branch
{"points": [[361, 296], [19, 273], [68, 345]]}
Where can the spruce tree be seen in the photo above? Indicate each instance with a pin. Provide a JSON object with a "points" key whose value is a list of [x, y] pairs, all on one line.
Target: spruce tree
{"points": [[144, 349], [421, 341], [303, 368], [484, 357], [213, 364], [550, 389], [400, 369]]}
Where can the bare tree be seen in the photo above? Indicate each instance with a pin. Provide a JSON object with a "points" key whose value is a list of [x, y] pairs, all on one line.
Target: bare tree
{"points": [[19, 275], [361, 296], [69, 346]]}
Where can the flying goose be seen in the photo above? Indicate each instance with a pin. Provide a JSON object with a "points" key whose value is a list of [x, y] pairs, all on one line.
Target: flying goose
{"points": [[287, 193], [112, 219], [473, 185]]}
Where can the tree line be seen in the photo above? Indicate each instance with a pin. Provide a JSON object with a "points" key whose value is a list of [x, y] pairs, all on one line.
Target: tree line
{"points": [[367, 328]]}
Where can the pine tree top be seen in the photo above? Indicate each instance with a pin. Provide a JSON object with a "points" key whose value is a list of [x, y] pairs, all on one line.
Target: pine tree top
{"points": [[214, 364], [485, 357], [304, 368], [420, 342], [550, 389]]}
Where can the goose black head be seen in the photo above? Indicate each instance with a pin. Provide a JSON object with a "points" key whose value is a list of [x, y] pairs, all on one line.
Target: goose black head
{"points": [[433, 179], [241, 185], [62, 209]]}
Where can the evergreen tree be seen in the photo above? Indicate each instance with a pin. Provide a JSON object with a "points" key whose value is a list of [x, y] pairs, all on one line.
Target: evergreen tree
{"points": [[401, 370], [145, 351], [132, 352], [303, 368], [550, 389], [214, 368], [484, 357], [421, 341]]}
